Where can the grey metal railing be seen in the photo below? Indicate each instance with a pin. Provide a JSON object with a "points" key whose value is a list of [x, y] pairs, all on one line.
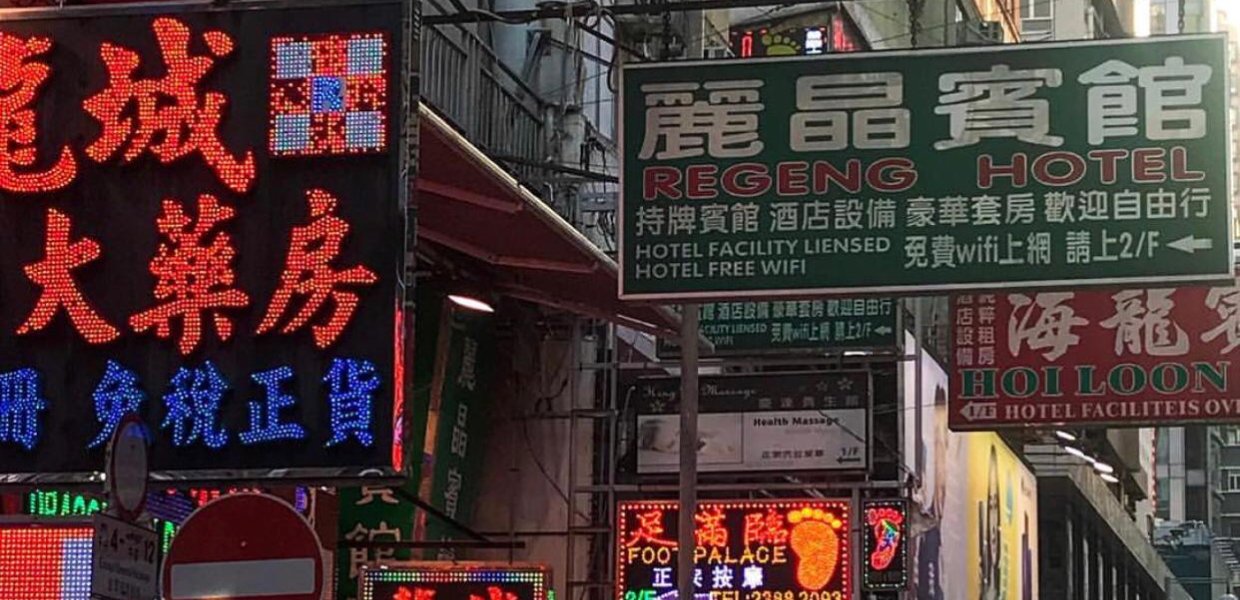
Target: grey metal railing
{"points": [[466, 82]]}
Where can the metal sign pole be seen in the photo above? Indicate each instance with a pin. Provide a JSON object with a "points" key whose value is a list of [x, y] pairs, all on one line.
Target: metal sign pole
{"points": [[688, 448]]}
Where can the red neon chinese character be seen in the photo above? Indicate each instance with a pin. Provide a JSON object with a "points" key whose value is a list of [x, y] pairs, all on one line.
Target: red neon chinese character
{"points": [[170, 118], [20, 80], [194, 274], [418, 593], [765, 528], [54, 275], [711, 531], [649, 529], [494, 593], [308, 272]]}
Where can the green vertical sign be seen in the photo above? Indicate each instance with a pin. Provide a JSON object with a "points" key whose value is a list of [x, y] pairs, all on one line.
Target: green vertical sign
{"points": [[463, 406], [379, 513], [957, 168]]}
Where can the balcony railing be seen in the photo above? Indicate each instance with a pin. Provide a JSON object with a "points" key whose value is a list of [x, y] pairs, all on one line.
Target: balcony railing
{"points": [[467, 83]]}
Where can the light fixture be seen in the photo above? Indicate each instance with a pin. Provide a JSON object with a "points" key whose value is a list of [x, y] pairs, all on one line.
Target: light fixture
{"points": [[470, 302], [1109, 478], [1103, 468], [1077, 452], [1065, 436]]}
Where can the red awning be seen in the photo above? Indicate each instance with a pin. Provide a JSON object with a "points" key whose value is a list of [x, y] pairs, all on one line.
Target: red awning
{"points": [[468, 204]]}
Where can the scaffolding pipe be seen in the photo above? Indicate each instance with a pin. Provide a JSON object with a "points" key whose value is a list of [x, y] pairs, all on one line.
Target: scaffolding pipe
{"points": [[688, 449]]}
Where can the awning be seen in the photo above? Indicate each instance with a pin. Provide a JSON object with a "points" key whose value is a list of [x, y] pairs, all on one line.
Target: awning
{"points": [[469, 205]]}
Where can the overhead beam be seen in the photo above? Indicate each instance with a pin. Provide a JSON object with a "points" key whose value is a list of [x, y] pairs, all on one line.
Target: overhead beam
{"points": [[518, 262], [452, 192], [557, 10]]}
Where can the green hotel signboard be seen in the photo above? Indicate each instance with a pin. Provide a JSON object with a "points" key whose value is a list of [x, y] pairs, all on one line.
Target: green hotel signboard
{"points": [[794, 326], [961, 168]]}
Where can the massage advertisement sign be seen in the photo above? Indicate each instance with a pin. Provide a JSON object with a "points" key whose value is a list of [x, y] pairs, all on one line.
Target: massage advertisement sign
{"points": [[745, 550]]}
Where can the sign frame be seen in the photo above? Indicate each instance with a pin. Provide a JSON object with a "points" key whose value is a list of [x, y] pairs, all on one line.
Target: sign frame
{"points": [[868, 542], [1086, 391], [455, 572], [399, 422], [865, 459], [914, 289], [667, 349], [844, 569]]}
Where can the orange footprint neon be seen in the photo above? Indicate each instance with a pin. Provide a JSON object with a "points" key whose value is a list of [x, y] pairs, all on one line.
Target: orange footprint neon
{"points": [[816, 544]]}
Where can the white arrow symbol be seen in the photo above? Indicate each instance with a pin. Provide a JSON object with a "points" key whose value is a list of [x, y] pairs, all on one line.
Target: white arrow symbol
{"points": [[884, 330], [978, 410], [1191, 244]]}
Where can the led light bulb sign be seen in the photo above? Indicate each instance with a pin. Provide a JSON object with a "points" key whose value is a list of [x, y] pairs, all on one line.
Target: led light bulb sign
{"points": [[745, 550], [885, 551], [203, 228], [459, 581], [42, 561]]}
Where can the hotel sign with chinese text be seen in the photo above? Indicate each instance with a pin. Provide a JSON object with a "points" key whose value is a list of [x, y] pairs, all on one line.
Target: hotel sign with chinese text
{"points": [[1116, 357], [745, 550], [766, 327], [1002, 166], [204, 225]]}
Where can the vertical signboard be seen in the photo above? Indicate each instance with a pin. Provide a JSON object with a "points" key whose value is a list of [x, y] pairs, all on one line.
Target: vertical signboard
{"points": [[1122, 357], [204, 226], [464, 389], [760, 422], [794, 326], [745, 549], [885, 544], [956, 168]]}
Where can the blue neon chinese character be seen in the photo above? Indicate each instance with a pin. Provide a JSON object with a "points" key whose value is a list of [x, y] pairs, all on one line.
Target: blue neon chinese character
{"points": [[352, 383], [116, 395], [194, 399], [21, 401], [270, 428]]}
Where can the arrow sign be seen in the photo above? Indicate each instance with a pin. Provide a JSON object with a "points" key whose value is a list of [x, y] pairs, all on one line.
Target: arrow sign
{"points": [[978, 410], [884, 330], [1191, 244]]}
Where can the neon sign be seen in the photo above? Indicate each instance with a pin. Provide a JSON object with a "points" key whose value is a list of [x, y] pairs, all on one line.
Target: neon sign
{"points": [[45, 562], [886, 554], [186, 243], [476, 582], [745, 550]]}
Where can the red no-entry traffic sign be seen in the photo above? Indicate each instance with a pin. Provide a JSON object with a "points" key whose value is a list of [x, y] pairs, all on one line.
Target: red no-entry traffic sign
{"points": [[244, 547]]}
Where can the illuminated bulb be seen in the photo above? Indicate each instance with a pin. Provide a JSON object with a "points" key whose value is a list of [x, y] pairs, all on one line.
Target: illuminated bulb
{"points": [[1077, 452], [471, 303], [1103, 468], [1065, 436], [1109, 478]]}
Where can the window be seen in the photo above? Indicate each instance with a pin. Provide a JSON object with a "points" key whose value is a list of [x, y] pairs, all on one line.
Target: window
{"points": [[1196, 504], [1162, 498], [1233, 481], [1036, 9]]}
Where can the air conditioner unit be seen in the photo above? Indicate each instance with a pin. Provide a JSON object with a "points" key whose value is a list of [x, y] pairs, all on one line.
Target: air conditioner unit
{"points": [[972, 33]]}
